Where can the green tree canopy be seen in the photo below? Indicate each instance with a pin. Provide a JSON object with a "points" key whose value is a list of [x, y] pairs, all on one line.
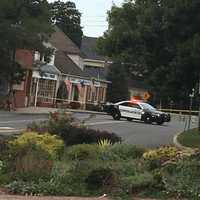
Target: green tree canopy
{"points": [[118, 89], [24, 24], [161, 40], [68, 19]]}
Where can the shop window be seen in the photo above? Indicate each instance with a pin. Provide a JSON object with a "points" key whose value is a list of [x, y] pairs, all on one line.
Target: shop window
{"points": [[62, 92], [46, 90]]}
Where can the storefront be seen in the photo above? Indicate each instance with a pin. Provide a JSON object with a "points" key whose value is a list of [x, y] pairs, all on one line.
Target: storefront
{"points": [[44, 86]]}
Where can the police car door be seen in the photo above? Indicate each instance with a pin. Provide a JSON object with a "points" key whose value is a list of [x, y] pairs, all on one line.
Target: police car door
{"points": [[124, 109], [136, 111]]}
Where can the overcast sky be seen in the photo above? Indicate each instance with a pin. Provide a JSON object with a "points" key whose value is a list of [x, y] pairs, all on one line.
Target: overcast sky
{"points": [[94, 15]]}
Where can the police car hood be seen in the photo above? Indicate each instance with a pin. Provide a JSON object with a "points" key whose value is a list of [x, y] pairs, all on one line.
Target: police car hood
{"points": [[156, 112]]}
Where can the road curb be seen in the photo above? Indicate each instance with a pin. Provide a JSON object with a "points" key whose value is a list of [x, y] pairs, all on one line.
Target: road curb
{"points": [[176, 143]]}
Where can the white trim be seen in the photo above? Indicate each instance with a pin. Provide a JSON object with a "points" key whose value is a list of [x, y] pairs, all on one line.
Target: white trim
{"points": [[47, 76]]}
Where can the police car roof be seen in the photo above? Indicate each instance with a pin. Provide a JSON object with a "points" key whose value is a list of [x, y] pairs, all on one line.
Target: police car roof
{"points": [[130, 101]]}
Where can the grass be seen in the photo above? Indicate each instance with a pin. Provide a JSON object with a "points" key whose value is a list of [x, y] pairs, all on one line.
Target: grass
{"points": [[190, 138]]}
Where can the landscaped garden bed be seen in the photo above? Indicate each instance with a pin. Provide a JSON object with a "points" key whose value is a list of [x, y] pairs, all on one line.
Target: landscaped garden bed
{"points": [[61, 157]]}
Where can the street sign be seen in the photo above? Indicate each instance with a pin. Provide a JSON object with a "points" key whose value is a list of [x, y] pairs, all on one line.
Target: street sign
{"points": [[146, 96]]}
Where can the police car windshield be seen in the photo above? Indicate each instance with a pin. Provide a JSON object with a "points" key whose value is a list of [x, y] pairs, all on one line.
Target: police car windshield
{"points": [[147, 106]]}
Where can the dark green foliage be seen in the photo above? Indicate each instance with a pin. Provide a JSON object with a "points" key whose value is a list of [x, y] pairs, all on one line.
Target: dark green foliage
{"points": [[82, 152], [183, 178], [68, 19], [36, 188], [71, 134], [81, 135], [101, 178], [126, 151], [23, 25], [159, 40], [118, 89]]}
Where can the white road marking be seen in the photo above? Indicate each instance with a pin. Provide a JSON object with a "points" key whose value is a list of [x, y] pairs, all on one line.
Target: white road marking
{"points": [[104, 122], [22, 120], [9, 130], [6, 128]]}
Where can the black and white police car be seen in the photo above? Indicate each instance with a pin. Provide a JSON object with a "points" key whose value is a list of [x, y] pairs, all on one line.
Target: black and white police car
{"points": [[136, 109]]}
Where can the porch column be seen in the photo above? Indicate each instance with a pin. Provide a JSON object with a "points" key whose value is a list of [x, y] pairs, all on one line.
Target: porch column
{"points": [[36, 92]]}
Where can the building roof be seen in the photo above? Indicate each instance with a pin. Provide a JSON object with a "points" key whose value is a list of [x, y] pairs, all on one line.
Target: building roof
{"points": [[66, 65], [47, 68], [96, 72], [63, 43], [88, 48]]}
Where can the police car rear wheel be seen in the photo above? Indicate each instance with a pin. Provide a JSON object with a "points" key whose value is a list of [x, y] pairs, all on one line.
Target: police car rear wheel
{"points": [[116, 115]]}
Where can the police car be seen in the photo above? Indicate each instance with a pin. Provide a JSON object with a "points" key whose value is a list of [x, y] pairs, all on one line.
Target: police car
{"points": [[136, 109]]}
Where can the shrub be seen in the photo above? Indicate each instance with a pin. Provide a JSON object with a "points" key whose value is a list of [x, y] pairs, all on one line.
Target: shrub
{"points": [[162, 154], [80, 135], [32, 140], [57, 123], [32, 155], [82, 152], [182, 178], [64, 126], [40, 187], [138, 182], [126, 151], [102, 178]]}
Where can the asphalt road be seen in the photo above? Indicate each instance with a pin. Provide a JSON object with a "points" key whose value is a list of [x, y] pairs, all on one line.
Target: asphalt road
{"points": [[134, 132]]}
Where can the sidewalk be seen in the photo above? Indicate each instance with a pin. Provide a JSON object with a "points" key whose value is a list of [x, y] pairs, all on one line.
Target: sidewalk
{"points": [[13, 197], [44, 110]]}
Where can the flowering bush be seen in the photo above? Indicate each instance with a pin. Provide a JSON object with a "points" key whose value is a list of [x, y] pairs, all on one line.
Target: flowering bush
{"points": [[162, 154], [51, 144]]}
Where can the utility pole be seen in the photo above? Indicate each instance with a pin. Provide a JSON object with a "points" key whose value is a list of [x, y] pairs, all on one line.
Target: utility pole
{"points": [[191, 101], [199, 104]]}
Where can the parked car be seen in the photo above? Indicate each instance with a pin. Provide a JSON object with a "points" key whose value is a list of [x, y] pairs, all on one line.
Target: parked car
{"points": [[136, 109]]}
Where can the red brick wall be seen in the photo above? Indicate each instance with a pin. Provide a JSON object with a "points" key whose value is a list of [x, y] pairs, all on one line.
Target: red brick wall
{"points": [[25, 58], [20, 95]]}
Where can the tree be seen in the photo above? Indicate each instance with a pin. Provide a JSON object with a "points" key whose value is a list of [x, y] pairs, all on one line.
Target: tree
{"points": [[161, 40], [23, 25], [118, 89], [68, 19]]}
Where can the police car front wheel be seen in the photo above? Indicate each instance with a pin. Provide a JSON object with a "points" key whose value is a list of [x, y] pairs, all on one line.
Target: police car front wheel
{"points": [[148, 119]]}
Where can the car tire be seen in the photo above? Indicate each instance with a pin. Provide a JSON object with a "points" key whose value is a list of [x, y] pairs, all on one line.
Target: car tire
{"points": [[129, 119], [148, 119], [116, 115]]}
